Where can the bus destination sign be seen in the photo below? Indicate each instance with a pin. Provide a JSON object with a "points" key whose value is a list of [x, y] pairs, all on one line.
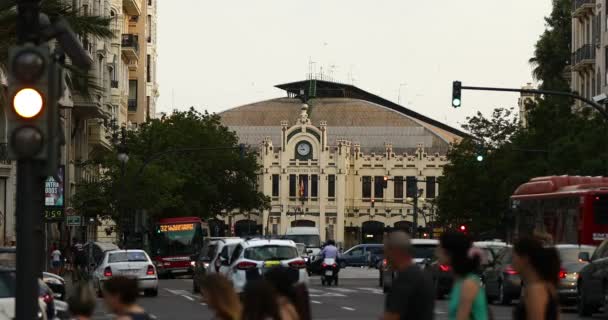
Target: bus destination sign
{"points": [[176, 227]]}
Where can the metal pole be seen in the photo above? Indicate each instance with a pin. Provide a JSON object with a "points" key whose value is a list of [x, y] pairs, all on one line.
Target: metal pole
{"points": [[30, 206], [415, 223]]}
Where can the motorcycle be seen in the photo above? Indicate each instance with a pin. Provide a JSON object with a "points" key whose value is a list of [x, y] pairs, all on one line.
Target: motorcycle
{"points": [[329, 272]]}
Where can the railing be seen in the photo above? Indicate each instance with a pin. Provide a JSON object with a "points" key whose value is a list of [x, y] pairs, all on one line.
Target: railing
{"points": [[130, 41], [585, 52], [132, 104], [4, 154], [579, 3]]}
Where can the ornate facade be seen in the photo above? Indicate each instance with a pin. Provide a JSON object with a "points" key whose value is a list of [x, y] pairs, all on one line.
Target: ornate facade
{"points": [[324, 164]]}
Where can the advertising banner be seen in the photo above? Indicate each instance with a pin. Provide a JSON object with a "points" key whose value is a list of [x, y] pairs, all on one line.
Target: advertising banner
{"points": [[54, 197]]}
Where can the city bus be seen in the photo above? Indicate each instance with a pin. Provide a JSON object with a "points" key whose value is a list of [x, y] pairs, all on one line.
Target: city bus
{"points": [[566, 209], [175, 244]]}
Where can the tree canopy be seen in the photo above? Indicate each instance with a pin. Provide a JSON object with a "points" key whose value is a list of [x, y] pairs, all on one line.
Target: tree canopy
{"points": [[185, 164]]}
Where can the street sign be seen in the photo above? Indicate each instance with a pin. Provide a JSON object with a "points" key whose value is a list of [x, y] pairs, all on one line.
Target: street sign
{"points": [[74, 221]]}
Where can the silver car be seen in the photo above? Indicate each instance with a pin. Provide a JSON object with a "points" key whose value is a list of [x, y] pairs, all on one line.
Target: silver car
{"points": [[129, 263]]}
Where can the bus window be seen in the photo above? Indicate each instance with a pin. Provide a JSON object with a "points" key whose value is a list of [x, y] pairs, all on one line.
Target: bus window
{"points": [[600, 209]]}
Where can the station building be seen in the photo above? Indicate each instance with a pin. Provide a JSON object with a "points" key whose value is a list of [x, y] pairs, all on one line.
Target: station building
{"points": [[323, 162]]}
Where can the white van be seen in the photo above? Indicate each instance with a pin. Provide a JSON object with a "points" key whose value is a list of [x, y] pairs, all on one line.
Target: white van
{"points": [[309, 236]]}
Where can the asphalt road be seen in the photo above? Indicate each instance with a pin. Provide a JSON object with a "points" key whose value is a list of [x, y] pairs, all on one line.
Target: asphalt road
{"points": [[357, 297]]}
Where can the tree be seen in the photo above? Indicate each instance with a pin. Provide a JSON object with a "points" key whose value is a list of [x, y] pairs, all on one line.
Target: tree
{"points": [[167, 175], [86, 26]]}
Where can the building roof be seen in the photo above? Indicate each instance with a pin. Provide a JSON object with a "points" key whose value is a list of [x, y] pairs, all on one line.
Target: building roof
{"points": [[350, 113]]}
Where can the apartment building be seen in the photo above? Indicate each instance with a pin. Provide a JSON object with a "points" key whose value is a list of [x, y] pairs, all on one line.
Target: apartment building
{"points": [[589, 53]]}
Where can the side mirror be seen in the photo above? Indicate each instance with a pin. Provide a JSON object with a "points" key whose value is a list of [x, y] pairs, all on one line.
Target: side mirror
{"points": [[584, 257]]}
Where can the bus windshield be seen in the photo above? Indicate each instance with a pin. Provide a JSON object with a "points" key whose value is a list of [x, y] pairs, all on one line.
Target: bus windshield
{"points": [[178, 239]]}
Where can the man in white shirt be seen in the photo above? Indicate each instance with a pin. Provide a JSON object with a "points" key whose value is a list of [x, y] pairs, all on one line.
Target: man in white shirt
{"points": [[56, 260]]}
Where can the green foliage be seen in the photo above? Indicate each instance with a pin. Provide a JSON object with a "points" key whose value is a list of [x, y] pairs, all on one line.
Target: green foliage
{"points": [[166, 177], [556, 141], [85, 25]]}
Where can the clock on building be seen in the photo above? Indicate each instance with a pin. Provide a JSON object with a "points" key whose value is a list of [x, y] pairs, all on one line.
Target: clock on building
{"points": [[303, 150]]}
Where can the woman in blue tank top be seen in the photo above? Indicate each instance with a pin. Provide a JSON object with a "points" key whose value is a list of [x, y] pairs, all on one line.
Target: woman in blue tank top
{"points": [[468, 298]]}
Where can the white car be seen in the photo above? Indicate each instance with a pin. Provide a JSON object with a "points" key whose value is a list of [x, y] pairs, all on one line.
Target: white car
{"points": [[213, 259], [129, 263], [254, 257]]}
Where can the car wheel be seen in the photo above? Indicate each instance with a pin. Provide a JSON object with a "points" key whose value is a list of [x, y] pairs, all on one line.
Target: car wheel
{"points": [[584, 310], [502, 296], [151, 292], [342, 264]]}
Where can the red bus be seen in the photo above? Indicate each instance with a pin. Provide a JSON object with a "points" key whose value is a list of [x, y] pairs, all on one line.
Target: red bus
{"points": [[571, 209], [175, 243]]}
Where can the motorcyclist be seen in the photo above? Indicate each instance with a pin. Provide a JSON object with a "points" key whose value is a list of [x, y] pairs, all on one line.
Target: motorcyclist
{"points": [[330, 251]]}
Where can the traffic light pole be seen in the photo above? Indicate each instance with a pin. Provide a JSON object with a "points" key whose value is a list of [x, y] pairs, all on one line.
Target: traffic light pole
{"points": [[572, 95], [30, 205]]}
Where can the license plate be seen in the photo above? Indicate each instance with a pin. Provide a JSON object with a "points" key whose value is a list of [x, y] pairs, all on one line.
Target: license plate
{"points": [[179, 270], [272, 264], [329, 273]]}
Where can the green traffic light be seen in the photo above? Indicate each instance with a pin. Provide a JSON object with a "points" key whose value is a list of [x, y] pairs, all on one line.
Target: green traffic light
{"points": [[479, 158], [456, 102]]}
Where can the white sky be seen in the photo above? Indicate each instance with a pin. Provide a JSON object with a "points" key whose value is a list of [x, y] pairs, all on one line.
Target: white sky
{"points": [[216, 55]]}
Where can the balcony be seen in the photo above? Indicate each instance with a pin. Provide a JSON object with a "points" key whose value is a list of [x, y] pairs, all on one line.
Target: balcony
{"points": [[132, 105], [583, 57], [130, 46], [98, 136], [133, 65], [582, 8], [131, 7]]}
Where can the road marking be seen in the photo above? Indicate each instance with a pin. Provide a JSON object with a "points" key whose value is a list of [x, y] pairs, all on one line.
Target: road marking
{"points": [[348, 308], [313, 290], [188, 297], [315, 302], [327, 294], [440, 312], [153, 317], [343, 290], [372, 290], [178, 292], [203, 304]]}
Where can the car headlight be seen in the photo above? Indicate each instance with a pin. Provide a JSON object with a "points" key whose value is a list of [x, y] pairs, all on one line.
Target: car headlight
{"points": [[192, 263], [206, 264]]}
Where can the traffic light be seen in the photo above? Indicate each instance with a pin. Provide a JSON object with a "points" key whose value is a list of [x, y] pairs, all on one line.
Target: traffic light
{"points": [[456, 94], [480, 153], [30, 75], [385, 182]]}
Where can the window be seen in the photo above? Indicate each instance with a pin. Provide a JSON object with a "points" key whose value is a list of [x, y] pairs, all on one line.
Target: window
{"points": [[275, 229], [366, 187], [148, 69], [411, 186], [132, 95], [430, 187], [379, 187], [303, 186], [355, 252], [271, 252], [314, 186], [236, 254], [331, 186], [398, 182], [275, 185], [150, 2], [148, 107], [292, 185], [149, 35]]}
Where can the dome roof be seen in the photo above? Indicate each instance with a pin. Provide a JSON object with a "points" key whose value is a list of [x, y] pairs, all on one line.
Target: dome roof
{"points": [[353, 114]]}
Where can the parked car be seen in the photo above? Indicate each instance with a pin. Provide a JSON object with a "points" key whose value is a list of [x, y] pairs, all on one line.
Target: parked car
{"points": [[593, 280], [571, 266], [252, 258], [424, 250], [362, 255], [208, 260], [130, 263], [501, 281], [56, 283]]}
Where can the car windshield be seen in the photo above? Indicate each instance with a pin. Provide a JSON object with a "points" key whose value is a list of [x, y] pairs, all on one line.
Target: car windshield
{"points": [[310, 240], [569, 255], [127, 257], [7, 284], [271, 252], [424, 251]]}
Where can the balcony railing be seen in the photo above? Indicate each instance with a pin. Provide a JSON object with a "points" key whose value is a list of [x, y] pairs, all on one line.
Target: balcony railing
{"points": [[132, 104], [130, 41], [579, 7], [584, 54]]}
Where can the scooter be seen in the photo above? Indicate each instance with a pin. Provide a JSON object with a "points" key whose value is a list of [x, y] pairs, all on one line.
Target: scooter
{"points": [[329, 271]]}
